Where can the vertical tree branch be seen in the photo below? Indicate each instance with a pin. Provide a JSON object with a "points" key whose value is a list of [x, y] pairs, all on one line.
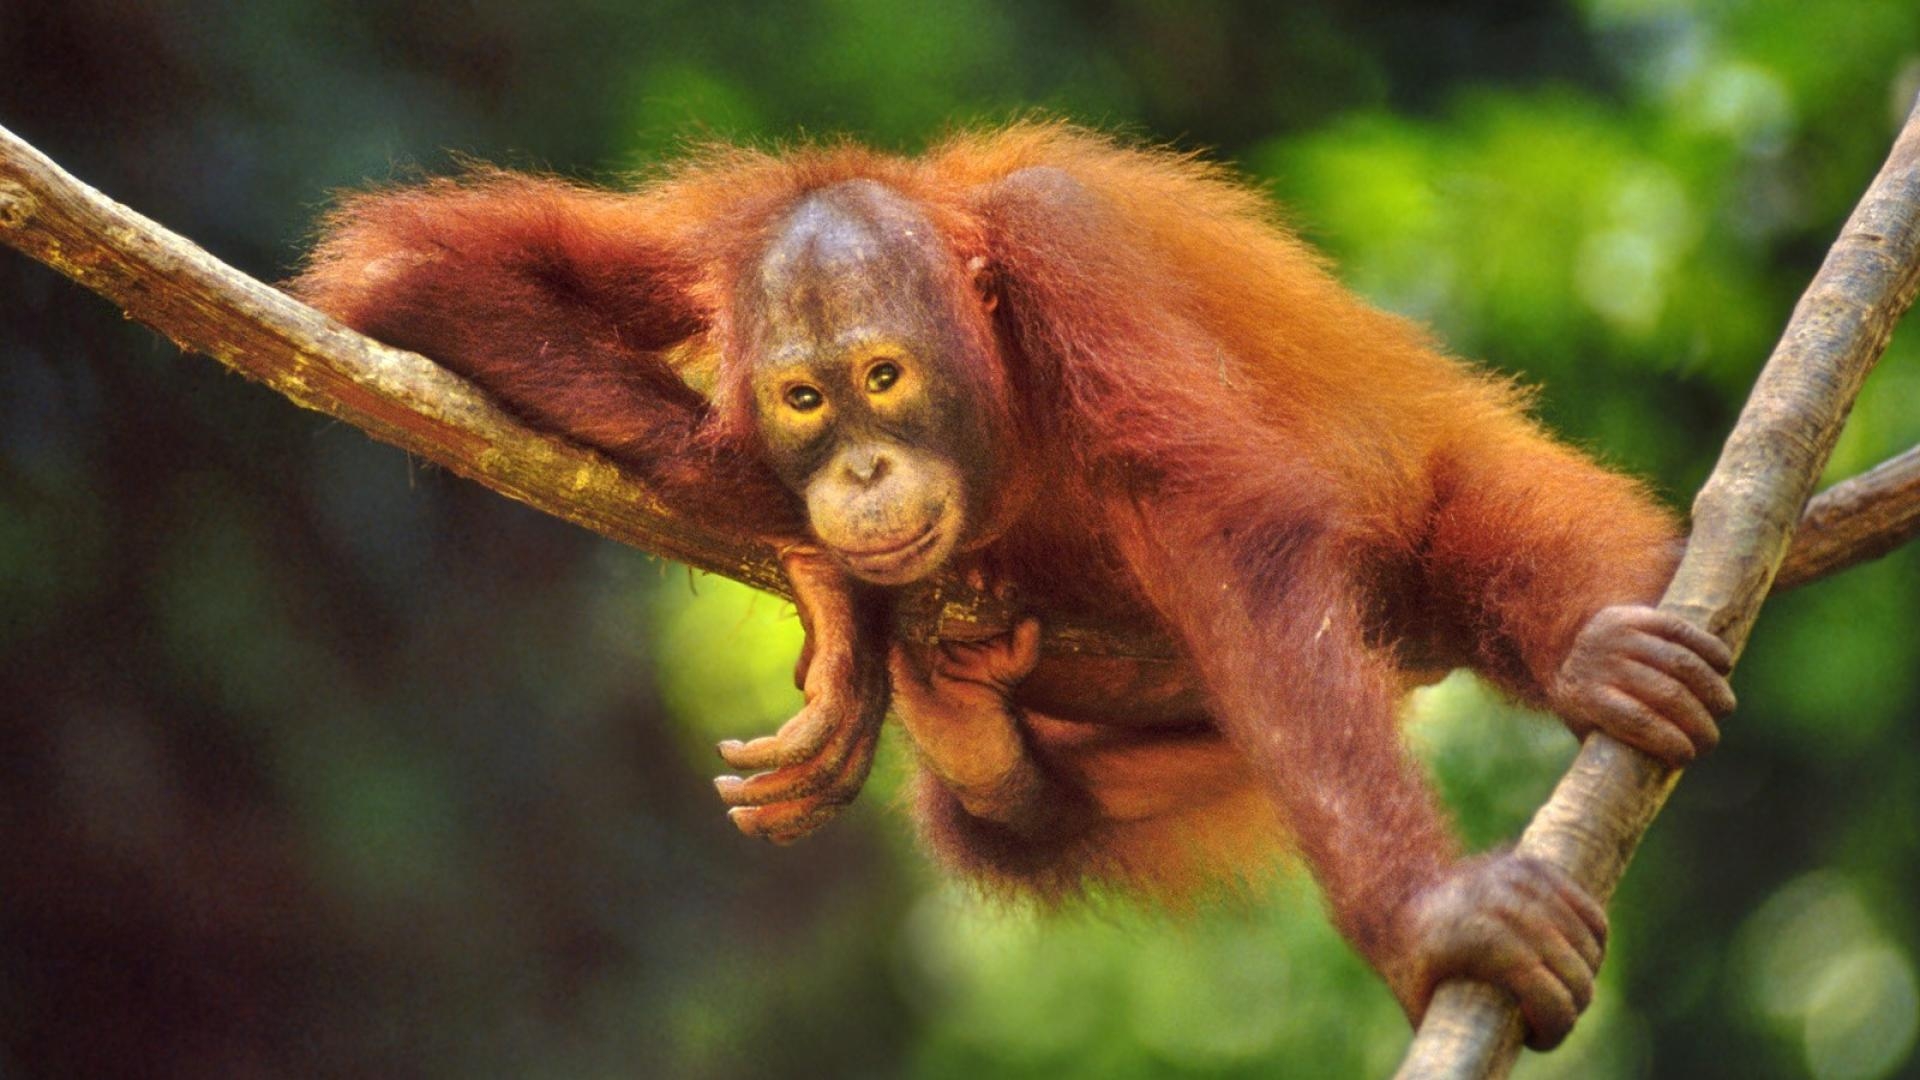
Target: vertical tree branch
{"points": [[1743, 521]]}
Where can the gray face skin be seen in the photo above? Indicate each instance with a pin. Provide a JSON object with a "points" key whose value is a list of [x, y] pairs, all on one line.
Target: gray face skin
{"points": [[865, 387]]}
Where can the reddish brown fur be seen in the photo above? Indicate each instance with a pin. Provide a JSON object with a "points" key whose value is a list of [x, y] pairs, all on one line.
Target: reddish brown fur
{"points": [[1302, 489]]}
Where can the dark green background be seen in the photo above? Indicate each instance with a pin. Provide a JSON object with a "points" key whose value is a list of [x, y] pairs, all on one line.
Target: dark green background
{"points": [[317, 762]]}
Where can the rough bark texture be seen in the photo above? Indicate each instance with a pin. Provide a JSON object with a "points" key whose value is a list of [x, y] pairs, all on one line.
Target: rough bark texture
{"points": [[1855, 521], [1743, 520]]}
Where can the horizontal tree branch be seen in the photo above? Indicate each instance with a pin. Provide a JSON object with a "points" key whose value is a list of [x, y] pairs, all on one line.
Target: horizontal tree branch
{"points": [[206, 306]]}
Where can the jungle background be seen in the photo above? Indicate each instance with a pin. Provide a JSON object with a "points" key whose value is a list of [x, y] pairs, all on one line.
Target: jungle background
{"points": [[315, 761]]}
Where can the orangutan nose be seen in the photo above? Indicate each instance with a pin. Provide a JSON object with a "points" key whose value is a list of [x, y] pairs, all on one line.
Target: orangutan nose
{"points": [[867, 467]]}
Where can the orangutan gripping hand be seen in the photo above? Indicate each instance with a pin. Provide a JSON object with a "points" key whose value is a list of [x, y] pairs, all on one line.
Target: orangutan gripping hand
{"points": [[1648, 678], [1507, 921]]}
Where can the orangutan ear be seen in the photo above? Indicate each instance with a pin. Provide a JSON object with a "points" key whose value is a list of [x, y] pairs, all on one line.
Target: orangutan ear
{"points": [[980, 272]]}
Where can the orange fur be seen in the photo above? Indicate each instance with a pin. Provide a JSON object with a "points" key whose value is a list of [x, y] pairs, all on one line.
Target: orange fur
{"points": [[1302, 489]]}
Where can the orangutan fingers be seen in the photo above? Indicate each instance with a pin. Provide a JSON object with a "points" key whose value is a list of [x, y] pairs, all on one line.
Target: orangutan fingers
{"points": [[785, 821], [1675, 702], [1693, 670], [1547, 937], [800, 779], [1634, 722], [1682, 632], [1589, 932], [799, 739], [1549, 1005]]}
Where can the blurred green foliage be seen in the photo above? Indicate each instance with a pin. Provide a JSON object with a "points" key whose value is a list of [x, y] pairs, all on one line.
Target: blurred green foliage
{"points": [[315, 763]]}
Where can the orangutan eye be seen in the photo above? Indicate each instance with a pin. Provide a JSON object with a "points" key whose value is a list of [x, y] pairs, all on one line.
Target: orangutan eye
{"points": [[881, 376], [804, 398]]}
